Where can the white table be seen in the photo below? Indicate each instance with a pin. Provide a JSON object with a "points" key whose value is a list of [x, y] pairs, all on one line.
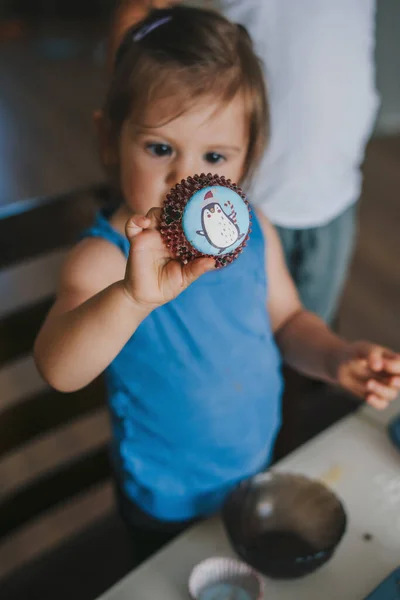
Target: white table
{"points": [[357, 460]]}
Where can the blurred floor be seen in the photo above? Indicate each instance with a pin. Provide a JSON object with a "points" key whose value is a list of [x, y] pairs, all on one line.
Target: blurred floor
{"points": [[47, 147], [371, 302]]}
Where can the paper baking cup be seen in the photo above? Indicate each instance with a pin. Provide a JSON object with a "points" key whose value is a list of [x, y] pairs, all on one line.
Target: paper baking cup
{"points": [[225, 570], [183, 211]]}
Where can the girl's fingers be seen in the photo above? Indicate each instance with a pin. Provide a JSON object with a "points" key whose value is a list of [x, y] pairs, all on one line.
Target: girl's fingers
{"points": [[391, 364], [374, 375], [375, 358], [135, 225], [376, 402], [194, 269], [359, 368], [354, 385], [382, 359], [392, 381], [384, 392], [377, 393], [154, 216], [395, 382]]}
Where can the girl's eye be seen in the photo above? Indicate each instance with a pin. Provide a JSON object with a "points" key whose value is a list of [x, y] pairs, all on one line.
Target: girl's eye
{"points": [[214, 158], [159, 150]]}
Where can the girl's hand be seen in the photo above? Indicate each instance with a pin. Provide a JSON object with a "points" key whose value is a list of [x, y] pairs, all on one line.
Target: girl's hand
{"points": [[153, 277], [370, 372]]}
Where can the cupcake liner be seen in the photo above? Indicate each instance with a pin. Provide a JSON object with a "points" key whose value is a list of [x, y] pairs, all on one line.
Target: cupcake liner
{"points": [[226, 572], [173, 212]]}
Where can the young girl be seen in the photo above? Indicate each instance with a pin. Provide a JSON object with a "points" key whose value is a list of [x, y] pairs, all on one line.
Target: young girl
{"points": [[192, 355]]}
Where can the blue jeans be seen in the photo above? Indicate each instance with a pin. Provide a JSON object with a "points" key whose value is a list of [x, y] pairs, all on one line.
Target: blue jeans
{"points": [[318, 259]]}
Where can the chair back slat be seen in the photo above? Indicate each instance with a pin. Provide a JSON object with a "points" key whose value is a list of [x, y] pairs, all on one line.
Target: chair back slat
{"points": [[53, 489], [40, 414], [32, 227], [19, 330]]}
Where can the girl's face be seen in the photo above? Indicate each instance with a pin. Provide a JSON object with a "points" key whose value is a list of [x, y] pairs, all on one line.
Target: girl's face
{"points": [[207, 138]]}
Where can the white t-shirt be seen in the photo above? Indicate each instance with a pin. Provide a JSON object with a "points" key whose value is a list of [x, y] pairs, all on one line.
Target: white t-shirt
{"points": [[319, 64]]}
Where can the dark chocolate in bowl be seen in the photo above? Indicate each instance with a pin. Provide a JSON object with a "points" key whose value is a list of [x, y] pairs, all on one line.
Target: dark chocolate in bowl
{"points": [[284, 525]]}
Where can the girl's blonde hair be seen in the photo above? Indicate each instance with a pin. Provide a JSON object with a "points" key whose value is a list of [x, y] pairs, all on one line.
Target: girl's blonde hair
{"points": [[190, 54]]}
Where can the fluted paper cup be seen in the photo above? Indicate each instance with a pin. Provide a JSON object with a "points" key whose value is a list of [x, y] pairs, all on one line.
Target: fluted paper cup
{"points": [[221, 572]]}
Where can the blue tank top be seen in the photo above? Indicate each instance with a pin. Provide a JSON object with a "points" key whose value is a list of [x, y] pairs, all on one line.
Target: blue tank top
{"points": [[195, 394]]}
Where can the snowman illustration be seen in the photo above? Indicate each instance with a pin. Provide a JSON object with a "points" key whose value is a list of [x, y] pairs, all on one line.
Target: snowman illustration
{"points": [[219, 228]]}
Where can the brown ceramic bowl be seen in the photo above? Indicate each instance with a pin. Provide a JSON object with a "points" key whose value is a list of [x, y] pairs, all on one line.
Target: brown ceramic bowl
{"points": [[284, 525]]}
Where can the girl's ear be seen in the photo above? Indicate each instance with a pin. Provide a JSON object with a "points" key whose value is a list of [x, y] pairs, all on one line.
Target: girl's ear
{"points": [[106, 143]]}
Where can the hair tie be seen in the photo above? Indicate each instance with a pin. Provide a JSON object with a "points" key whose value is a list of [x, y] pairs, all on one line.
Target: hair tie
{"points": [[139, 31], [148, 27]]}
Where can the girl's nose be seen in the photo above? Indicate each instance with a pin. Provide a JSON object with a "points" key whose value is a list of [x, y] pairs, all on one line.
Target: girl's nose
{"points": [[179, 170]]}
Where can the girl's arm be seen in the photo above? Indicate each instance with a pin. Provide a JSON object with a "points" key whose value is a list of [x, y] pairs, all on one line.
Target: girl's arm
{"points": [[306, 343], [367, 370], [92, 319]]}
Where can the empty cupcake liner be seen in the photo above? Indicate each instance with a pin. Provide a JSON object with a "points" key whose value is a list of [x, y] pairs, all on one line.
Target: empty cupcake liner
{"points": [[221, 573]]}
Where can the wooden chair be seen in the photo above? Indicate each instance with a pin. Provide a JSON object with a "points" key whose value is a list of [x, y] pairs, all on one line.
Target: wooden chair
{"points": [[33, 237]]}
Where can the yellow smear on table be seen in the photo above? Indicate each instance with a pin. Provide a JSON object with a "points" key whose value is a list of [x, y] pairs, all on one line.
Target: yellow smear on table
{"points": [[332, 476]]}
